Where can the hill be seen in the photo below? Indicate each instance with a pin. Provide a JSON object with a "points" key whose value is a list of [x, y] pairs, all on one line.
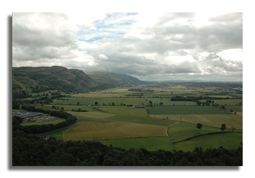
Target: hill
{"points": [[111, 80], [39, 79]]}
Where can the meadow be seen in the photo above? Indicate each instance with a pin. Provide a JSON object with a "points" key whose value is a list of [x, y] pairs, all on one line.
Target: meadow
{"points": [[186, 110], [124, 110], [59, 120], [167, 101], [114, 130]]}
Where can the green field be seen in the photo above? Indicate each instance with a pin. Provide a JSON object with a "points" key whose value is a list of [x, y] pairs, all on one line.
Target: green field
{"points": [[110, 101], [182, 110], [226, 101], [124, 110], [167, 101], [133, 101], [150, 143], [57, 135], [113, 130], [74, 101], [42, 122], [234, 108], [213, 120], [182, 131], [71, 107], [226, 140]]}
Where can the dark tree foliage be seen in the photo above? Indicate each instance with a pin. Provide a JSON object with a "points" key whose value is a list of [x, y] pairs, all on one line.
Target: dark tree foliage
{"points": [[199, 126]]}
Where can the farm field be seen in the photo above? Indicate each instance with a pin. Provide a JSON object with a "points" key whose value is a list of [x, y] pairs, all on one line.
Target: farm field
{"points": [[74, 101], [234, 108], [97, 115], [57, 135], [75, 107], [167, 101], [114, 130], [123, 110], [181, 131], [150, 143], [109, 101], [42, 122], [226, 140], [133, 101], [212, 120], [226, 101], [182, 110]]}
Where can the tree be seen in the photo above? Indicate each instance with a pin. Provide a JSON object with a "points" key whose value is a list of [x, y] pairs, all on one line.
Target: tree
{"points": [[62, 108], [113, 103], [199, 126], [160, 103], [96, 103], [78, 103], [223, 127], [231, 110]]}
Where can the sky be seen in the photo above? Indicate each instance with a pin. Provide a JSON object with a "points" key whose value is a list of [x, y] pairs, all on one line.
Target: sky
{"points": [[151, 46]]}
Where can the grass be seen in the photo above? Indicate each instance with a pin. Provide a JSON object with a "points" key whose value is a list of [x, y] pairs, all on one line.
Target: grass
{"points": [[167, 101], [226, 101], [212, 120], [97, 115], [114, 130], [124, 110], [142, 120], [235, 108], [109, 101], [149, 143], [182, 110], [182, 131], [133, 101], [74, 101], [57, 135], [42, 122], [226, 140], [75, 107]]}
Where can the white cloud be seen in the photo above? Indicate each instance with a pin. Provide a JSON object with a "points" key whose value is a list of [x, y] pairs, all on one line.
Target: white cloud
{"points": [[102, 56]]}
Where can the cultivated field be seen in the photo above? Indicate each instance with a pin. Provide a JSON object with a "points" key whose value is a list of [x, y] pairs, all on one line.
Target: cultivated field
{"points": [[226, 101], [212, 120], [114, 130], [123, 110], [182, 110], [167, 101]]}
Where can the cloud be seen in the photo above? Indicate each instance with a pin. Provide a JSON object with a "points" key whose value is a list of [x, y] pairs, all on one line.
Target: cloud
{"points": [[101, 56], [146, 45]]}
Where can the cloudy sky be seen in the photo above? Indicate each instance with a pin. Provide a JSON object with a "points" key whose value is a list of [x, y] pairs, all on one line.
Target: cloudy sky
{"points": [[149, 46]]}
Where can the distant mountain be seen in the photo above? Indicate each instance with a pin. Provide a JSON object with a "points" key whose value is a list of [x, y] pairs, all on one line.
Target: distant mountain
{"points": [[40, 79], [110, 80], [37, 79]]}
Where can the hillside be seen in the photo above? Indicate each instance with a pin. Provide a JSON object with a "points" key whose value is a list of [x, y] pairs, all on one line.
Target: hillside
{"points": [[37, 79], [40, 79], [110, 80]]}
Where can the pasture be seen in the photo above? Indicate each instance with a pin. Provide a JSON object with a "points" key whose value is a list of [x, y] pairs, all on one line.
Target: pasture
{"points": [[109, 101], [97, 115], [57, 135], [226, 101], [167, 101], [113, 130], [59, 120], [124, 110], [74, 101], [183, 110], [226, 140], [71, 107], [133, 101], [150, 143], [212, 120]]}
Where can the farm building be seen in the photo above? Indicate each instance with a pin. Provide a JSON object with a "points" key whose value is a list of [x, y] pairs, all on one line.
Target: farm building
{"points": [[139, 106]]}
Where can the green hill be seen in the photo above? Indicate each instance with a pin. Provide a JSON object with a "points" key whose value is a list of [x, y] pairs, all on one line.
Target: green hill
{"points": [[38, 79], [110, 80]]}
